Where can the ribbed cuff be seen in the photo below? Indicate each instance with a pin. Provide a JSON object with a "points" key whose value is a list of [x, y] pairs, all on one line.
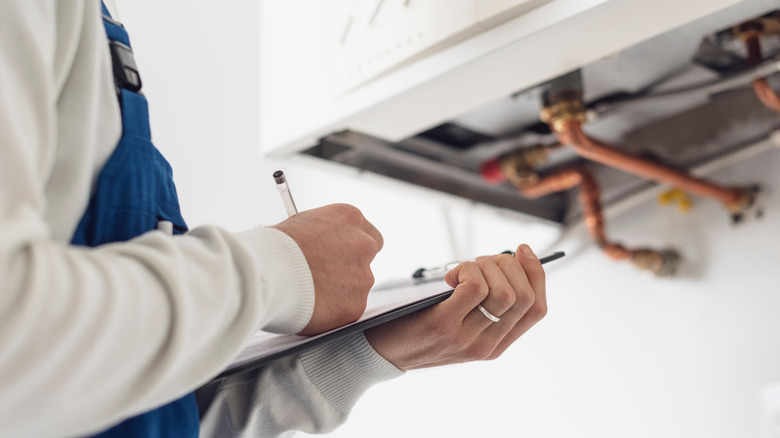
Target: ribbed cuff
{"points": [[287, 283], [343, 369]]}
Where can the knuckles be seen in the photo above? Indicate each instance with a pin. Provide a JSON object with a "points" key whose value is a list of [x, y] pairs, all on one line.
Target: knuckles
{"points": [[365, 243], [505, 258], [348, 213], [526, 298], [504, 296], [480, 289], [474, 284], [367, 246]]}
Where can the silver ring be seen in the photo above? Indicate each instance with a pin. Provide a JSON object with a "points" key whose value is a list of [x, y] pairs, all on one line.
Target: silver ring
{"points": [[487, 314]]}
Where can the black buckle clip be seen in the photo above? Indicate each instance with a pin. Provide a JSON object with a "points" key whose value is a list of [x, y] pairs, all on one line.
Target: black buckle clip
{"points": [[125, 70]]}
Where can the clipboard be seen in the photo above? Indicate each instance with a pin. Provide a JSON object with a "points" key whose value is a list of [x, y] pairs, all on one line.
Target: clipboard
{"points": [[384, 304]]}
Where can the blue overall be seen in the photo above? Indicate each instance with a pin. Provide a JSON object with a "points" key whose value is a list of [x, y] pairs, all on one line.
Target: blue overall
{"points": [[134, 192]]}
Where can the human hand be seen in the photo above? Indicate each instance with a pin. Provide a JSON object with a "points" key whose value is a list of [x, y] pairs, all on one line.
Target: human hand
{"points": [[339, 245], [454, 331]]}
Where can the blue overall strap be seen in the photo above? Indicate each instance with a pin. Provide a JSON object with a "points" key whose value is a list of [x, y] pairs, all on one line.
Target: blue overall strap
{"points": [[133, 192]]}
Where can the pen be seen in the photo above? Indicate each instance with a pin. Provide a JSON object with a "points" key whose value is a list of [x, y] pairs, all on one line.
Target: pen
{"points": [[284, 190], [551, 257]]}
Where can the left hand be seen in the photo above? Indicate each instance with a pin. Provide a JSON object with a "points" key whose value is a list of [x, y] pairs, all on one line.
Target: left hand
{"points": [[455, 331]]}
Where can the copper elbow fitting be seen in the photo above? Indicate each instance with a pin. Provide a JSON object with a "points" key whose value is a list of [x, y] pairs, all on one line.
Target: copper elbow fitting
{"points": [[764, 92]]}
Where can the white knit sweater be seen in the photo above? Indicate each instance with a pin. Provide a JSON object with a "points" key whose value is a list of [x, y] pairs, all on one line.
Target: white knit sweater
{"points": [[89, 337]]}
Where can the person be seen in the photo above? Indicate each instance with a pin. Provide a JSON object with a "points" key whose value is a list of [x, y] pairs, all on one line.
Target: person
{"points": [[94, 333]]}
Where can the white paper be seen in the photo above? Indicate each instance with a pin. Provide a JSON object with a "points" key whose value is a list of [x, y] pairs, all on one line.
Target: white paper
{"points": [[381, 299]]}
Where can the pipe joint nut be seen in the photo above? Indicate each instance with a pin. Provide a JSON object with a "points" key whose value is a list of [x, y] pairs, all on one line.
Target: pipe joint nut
{"points": [[519, 166], [745, 201], [763, 26], [662, 263], [557, 114]]}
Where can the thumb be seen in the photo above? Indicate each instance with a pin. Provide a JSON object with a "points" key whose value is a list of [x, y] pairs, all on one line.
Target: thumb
{"points": [[452, 276]]}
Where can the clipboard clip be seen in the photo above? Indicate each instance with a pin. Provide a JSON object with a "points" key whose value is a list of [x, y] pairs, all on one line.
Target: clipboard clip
{"points": [[438, 272], [435, 273]]}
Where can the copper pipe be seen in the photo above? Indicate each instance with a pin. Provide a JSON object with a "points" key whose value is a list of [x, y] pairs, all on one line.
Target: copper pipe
{"points": [[661, 263], [753, 45], [557, 182], [590, 200], [572, 134], [765, 93]]}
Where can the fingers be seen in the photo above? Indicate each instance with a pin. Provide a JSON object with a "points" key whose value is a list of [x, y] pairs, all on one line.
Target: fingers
{"points": [[534, 273], [536, 281], [454, 331], [371, 230], [353, 216], [339, 245], [471, 288], [364, 225], [515, 293], [505, 278], [495, 282]]}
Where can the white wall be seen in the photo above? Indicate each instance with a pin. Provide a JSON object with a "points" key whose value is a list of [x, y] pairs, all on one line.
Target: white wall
{"points": [[621, 354], [199, 64]]}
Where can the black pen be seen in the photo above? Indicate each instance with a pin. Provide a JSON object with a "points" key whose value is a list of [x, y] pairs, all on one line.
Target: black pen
{"points": [[551, 257]]}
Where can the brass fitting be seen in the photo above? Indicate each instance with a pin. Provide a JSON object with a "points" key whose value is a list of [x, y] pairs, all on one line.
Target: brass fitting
{"points": [[763, 26], [748, 205], [662, 263], [746, 200], [518, 166], [563, 108]]}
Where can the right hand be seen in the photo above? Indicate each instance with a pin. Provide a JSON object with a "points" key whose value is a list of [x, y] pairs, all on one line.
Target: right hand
{"points": [[339, 245]]}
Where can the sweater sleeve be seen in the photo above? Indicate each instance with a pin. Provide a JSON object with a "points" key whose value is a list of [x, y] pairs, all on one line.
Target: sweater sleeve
{"points": [[311, 393], [89, 337]]}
